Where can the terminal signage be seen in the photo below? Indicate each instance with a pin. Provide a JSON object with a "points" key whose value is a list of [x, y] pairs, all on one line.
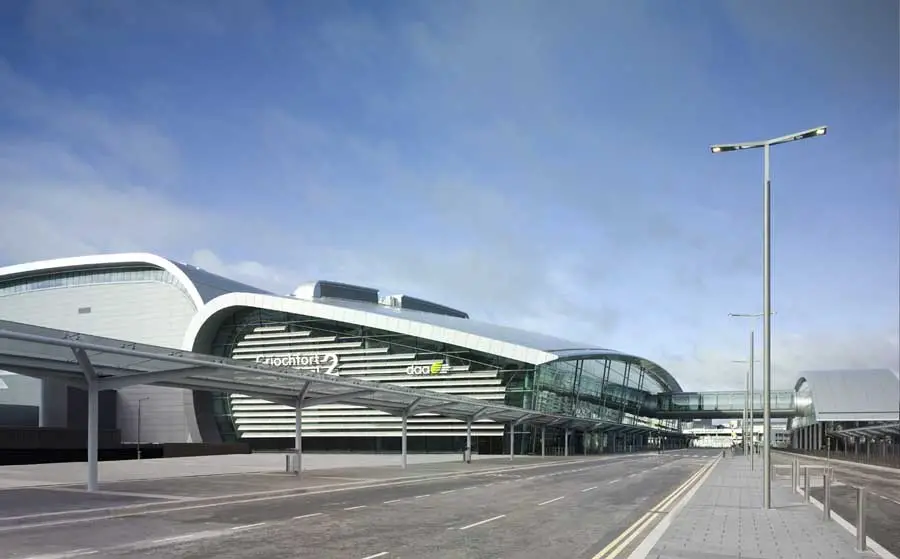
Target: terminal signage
{"points": [[436, 368], [323, 363]]}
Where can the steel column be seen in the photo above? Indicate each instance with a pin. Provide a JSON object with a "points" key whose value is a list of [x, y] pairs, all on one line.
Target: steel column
{"points": [[93, 428], [468, 451], [403, 439], [543, 438], [298, 436]]}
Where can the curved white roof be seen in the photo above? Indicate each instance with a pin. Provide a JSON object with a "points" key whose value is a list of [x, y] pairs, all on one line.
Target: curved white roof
{"points": [[512, 343], [200, 285], [853, 394]]}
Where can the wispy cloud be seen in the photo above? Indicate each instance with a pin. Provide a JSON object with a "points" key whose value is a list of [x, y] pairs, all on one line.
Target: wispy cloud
{"points": [[534, 166]]}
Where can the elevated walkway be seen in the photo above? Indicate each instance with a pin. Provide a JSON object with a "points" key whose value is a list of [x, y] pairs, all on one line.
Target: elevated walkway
{"points": [[719, 405]]}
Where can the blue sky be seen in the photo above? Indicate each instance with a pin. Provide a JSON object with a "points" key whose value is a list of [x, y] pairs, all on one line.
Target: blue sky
{"points": [[537, 164]]}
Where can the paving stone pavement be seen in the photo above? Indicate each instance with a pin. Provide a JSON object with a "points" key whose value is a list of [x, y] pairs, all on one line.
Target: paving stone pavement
{"points": [[725, 518]]}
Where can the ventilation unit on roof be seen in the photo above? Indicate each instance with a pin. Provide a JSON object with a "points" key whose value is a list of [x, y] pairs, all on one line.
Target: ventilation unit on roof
{"points": [[416, 304], [336, 290]]}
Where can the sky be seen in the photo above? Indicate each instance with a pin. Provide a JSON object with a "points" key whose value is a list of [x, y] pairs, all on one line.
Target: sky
{"points": [[536, 164]]}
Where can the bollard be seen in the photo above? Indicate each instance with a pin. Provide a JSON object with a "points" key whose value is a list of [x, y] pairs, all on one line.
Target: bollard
{"points": [[826, 498], [861, 518], [806, 484]]}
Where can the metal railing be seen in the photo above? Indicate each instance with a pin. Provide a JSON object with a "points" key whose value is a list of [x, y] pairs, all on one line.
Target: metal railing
{"points": [[800, 480], [882, 455]]}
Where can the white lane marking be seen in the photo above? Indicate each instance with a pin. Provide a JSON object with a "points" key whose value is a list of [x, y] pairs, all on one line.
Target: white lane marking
{"points": [[889, 499], [356, 507], [382, 554], [248, 526], [66, 554], [447, 491], [392, 501], [589, 489], [131, 511], [310, 515], [551, 501], [423, 496], [631, 475], [613, 481], [485, 521]]}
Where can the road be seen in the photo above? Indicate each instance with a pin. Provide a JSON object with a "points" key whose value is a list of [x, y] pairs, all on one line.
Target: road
{"points": [[883, 500], [568, 510]]}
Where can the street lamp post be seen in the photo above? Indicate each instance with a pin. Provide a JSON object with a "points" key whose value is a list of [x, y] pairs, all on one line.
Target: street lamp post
{"points": [[752, 379], [745, 416], [139, 426], [767, 287]]}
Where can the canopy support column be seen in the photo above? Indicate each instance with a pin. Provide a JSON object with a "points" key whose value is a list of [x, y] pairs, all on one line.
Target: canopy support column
{"points": [[543, 439], [403, 439], [298, 430], [468, 450], [512, 439], [566, 443], [93, 423]]}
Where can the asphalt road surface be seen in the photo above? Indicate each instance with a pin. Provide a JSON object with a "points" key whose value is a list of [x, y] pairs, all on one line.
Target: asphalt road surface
{"points": [[883, 500], [559, 511]]}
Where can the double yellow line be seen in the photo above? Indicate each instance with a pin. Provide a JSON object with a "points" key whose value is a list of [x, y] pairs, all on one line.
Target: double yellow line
{"points": [[615, 547]]}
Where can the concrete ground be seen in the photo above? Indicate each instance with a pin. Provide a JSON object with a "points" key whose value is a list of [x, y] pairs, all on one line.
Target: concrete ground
{"points": [[528, 508], [119, 470], [883, 501]]}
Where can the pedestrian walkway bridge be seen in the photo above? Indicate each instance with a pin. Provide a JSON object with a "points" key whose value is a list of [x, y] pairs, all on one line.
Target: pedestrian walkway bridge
{"points": [[719, 405]]}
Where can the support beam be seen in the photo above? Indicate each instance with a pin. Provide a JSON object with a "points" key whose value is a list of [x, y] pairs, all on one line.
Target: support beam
{"points": [[342, 398], [566, 442], [512, 439], [481, 413], [152, 377], [428, 409]]}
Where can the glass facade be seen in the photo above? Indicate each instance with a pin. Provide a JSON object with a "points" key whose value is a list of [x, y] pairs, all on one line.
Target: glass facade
{"points": [[612, 389]]}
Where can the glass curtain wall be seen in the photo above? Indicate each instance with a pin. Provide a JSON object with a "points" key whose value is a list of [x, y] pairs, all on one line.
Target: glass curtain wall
{"points": [[607, 389]]}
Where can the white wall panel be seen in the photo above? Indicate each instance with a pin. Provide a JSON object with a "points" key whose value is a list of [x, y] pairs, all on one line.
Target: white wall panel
{"points": [[255, 418], [145, 312]]}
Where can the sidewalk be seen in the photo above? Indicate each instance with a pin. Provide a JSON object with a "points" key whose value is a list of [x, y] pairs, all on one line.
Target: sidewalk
{"points": [[725, 519]]}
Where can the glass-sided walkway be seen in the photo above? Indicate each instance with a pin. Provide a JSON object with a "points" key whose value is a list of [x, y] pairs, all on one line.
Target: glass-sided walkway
{"points": [[719, 405]]}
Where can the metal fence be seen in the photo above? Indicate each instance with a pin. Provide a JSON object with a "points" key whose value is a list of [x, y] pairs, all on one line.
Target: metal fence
{"points": [[876, 454]]}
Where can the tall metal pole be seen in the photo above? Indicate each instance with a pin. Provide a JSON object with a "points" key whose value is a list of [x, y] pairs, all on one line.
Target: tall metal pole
{"points": [[752, 371], [746, 415], [767, 333]]}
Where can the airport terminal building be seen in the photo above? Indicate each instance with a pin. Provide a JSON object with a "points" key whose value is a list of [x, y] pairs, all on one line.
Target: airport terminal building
{"points": [[323, 327]]}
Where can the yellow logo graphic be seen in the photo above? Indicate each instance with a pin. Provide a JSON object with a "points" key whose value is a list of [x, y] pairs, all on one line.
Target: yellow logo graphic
{"points": [[436, 367]]}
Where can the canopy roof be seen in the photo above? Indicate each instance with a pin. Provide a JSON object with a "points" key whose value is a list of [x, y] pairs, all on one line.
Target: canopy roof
{"points": [[73, 357]]}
